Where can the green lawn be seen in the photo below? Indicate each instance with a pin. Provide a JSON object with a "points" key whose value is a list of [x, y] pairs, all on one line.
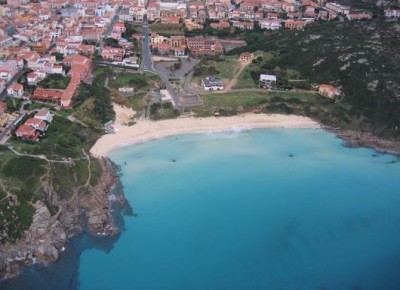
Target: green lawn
{"points": [[21, 177], [245, 81], [63, 139], [167, 29], [227, 68], [136, 102], [140, 81], [54, 81], [234, 102]]}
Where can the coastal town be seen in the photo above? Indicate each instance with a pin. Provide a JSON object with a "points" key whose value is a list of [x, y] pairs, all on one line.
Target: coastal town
{"points": [[79, 79], [69, 39]]}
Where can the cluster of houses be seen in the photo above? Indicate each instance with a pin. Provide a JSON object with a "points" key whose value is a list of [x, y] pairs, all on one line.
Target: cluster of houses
{"points": [[175, 45], [80, 71], [32, 33], [242, 14], [179, 45], [34, 128], [80, 68], [67, 27], [9, 69]]}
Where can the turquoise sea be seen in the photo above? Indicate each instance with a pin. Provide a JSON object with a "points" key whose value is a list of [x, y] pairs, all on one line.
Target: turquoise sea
{"points": [[259, 209]]}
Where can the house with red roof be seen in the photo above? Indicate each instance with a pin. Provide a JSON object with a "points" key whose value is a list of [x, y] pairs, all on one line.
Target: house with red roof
{"points": [[15, 90], [27, 132], [245, 56], [34, 77], [47, 95], [243, 24], [328, 91], [119, 27], [170, 20], [37, 124], [161, 48], [31, 57], [295, 24], [81, 67], [66, 98], [220, 25], [112, 53]]}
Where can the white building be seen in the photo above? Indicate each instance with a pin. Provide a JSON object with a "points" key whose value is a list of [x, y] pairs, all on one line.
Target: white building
{"points": [[267, 81], [15, 90], [270, 24], [44, 115], [392, 12], [212, 84]]}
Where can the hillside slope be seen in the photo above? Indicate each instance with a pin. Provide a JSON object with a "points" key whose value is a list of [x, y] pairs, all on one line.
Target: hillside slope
{"points": [[362, 58]]}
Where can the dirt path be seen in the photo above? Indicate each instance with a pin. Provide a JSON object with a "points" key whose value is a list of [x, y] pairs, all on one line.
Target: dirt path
{"points": [[90, 172], [43, 157], [261, 90], [8, 194], [233, 82]]}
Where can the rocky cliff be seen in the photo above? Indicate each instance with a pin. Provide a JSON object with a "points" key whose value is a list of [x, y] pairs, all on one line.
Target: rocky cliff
{"points": [[88, 208]]}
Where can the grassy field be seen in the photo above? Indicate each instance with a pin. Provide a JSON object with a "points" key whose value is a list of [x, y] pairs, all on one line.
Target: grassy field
{"points": [[54, 81], [223, 68], [63, 139], [167, 29], [163, 111], [227, 68], [66, 178], [263, 63], [236, 102], [282, 102], [141, 82], [245, 80], [20, 176], [24, 176], [138, 80]]}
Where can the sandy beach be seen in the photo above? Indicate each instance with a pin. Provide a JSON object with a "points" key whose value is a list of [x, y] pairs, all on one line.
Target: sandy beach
{"points": [[145, 130]]}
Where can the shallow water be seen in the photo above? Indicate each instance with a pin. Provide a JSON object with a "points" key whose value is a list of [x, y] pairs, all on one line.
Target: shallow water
{"points": [[260, 209]]}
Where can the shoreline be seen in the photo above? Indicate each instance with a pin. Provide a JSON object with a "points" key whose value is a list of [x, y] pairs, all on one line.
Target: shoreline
{"points": [[356, 139], [146, 130]]}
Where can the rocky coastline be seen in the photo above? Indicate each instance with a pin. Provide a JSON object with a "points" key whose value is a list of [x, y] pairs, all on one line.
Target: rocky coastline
{"points": [[357, 139], [89, 209]]}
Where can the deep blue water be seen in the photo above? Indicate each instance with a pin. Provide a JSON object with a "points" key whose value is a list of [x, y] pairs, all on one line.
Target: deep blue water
{"points": [[262, 209]]}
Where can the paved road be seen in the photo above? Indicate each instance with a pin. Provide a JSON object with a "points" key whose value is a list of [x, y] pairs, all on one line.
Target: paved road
{"points": [[147, 62], [188, 80], [108, 30], [3, 135], [107, 63]]}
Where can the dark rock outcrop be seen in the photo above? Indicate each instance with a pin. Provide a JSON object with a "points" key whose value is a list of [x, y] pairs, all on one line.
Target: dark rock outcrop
{"points": [[89, 208]]}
